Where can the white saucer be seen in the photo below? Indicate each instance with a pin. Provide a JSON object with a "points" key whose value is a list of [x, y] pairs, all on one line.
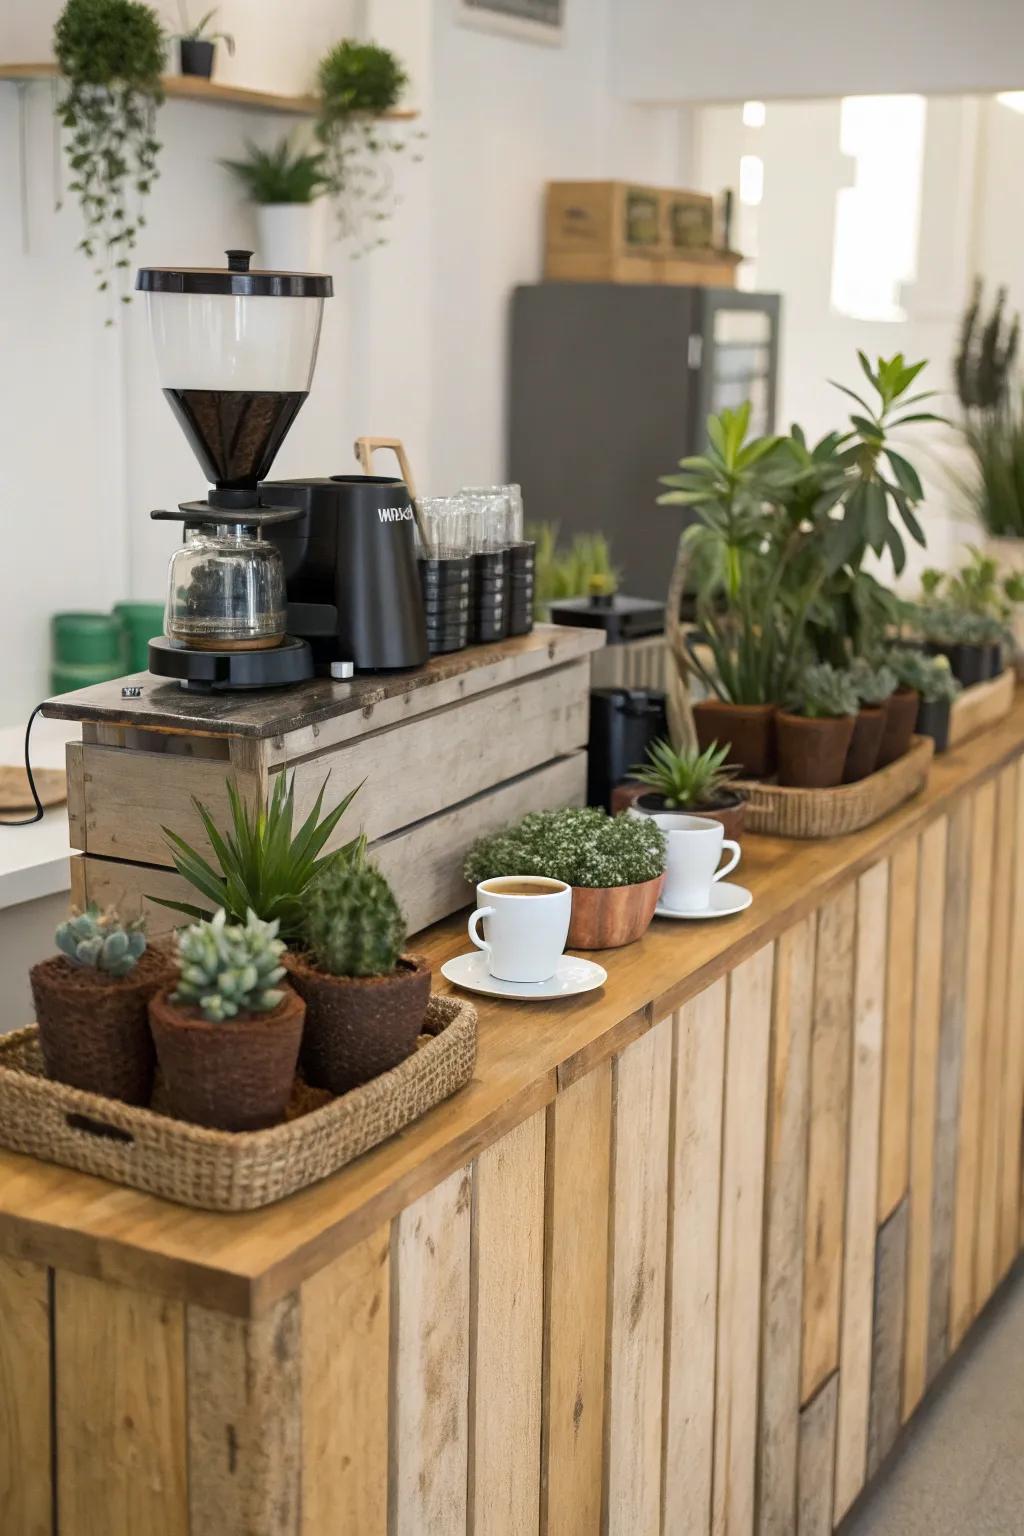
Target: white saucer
{"points": [[573, 975], [726, 899]]}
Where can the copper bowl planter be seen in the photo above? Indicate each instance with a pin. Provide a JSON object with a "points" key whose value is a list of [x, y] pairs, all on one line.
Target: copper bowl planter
{"points": [[812, 750], [358, 1026], [606, 917], [236, 1075], [748, 728]]}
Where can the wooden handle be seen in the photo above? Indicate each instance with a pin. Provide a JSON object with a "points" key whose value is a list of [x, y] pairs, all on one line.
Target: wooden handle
{"points": [[367, 446]]}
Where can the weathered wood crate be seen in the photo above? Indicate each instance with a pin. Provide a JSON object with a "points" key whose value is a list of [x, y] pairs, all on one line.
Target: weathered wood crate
{"points": [[442, 754]]}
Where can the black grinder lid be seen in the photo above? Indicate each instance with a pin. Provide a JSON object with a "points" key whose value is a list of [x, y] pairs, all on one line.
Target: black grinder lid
{"points": [[235, 279]]}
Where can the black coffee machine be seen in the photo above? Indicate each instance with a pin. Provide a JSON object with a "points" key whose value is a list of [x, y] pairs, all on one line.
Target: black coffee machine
{"points": [[275, 580]]}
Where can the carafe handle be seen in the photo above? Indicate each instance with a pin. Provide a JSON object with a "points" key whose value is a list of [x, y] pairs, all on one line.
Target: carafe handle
{"points": [[367, 446]]}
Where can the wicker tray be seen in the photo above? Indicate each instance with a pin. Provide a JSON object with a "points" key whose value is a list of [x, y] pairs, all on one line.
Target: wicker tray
{"points": [[223, 1170], [784, 812]]}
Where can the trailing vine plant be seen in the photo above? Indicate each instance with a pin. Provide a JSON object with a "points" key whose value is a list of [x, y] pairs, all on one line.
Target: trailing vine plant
{"points": [[358, 83], [110, 53]]}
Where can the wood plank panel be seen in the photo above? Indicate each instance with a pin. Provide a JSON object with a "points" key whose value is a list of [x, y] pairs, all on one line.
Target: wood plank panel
{"points": [[889, 1312], [861, 1189], [698, 1082], [429, 1408], [507, 1288], [897, 1051], [953, 961], [740, 1244], [26, 1493], [636, 1321], [817, 1462], [826, 1151], [578, 1174], [120, 1411], [786, 1178], [927, 1011], [245, 1421], [962, 1306], [345, 1348], [1008, 1236], [1004, 859]]}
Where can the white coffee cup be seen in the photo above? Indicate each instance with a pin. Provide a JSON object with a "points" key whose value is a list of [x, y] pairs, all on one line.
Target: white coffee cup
{"points": [[526, 924], [695, 846]]}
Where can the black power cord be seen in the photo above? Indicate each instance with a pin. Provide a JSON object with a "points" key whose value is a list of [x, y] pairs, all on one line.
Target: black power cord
{"points": [[29, 821]]}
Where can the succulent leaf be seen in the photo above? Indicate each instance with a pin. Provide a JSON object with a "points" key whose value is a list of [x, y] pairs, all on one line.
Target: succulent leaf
{"points": [[229, 969], [101, 940]]}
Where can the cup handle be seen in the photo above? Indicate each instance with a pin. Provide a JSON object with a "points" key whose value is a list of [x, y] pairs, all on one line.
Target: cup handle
{"points": [[727, 869], [473, 932]]}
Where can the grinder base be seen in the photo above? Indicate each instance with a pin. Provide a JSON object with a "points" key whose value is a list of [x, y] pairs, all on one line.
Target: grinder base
{"points": [[227, 671]]}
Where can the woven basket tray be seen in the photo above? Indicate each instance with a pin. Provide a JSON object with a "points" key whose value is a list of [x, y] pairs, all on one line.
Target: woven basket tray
{"points": [[225, 1170], [784, 812]]}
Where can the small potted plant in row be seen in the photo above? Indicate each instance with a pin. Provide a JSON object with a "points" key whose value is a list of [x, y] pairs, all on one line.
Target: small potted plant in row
{"points": [[197, 44], [814, 734], [691, 780], [91, 1001], [615, 865], [932, 680], [874, 687]]}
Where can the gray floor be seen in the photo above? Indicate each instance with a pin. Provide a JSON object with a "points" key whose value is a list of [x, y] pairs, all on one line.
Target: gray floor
{"points": [[959, 1471]]}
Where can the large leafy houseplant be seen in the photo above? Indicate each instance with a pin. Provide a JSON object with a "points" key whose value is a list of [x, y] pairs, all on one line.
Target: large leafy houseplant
{"points": [[110, 54]]}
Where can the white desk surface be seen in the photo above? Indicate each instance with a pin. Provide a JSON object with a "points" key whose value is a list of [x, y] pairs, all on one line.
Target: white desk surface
{"points": [[34, 860]]}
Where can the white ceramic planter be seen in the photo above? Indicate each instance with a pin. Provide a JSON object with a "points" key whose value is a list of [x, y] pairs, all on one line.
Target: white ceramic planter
{"points": [[291, 236]]}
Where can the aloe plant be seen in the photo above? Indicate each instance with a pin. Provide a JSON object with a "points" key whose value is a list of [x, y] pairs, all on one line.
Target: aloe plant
{"points": [[685, 778]]}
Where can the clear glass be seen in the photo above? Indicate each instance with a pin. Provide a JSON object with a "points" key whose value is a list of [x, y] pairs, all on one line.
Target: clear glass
{"points": [[226, 591], [490, 522], [444, 521], [515, 496], [223, 341]]}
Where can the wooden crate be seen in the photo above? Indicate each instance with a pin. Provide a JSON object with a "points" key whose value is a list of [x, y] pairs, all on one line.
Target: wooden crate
{"points": [[689, 221], [982, 705], [443, 754], [603, 231], [700, 269]]}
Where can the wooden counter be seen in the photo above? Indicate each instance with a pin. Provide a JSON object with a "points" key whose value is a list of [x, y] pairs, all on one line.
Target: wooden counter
{"points": [[682, 1258]]}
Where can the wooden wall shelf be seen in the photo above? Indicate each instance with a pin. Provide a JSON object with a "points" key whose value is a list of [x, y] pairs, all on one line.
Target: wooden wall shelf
{"points": [[195, 88]]}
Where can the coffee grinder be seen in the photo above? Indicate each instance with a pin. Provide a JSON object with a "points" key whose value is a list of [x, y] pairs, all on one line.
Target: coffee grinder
{"points": [[235, 350]]}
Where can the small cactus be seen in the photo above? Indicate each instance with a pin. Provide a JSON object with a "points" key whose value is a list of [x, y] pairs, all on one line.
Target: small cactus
{"points": [[353, 924], [101, 940], [230, 970]]}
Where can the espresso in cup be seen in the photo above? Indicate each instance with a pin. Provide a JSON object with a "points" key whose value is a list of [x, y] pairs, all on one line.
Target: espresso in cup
{"points": [[525, 925]]}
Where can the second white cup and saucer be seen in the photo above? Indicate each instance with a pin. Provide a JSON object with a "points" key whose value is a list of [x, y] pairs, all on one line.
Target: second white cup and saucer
{"points": [[695, 887], [521, 956]]}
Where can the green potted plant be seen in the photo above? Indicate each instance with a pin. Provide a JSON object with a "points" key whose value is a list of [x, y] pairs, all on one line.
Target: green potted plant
{"points": [[365, 999], [874, 687], [968, 613], [359, 83], [814, 735], [904, 703], [931, 679], [91, 1002], [227, 1035], [615, 865], [690, 780], [110, 54], [285, 185], [263, 868], [962, 638], [198, 44]]}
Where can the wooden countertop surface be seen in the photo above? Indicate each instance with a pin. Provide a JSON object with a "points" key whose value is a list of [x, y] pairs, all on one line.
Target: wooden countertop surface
{"points": [[244, 1263]]}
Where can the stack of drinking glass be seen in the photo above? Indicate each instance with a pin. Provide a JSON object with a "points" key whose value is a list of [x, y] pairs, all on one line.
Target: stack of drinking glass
{"points": [[476, 567]]}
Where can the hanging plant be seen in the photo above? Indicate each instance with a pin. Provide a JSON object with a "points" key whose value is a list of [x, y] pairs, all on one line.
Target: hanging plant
{"points": [[110, 53], [358, 83]]}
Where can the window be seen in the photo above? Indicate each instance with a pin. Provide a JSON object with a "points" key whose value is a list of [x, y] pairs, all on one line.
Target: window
{"points": [[878, 217]]}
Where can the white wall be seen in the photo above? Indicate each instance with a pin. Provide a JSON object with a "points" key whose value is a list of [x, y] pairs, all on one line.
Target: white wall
{"points": [[413, 340], [691, 50]]}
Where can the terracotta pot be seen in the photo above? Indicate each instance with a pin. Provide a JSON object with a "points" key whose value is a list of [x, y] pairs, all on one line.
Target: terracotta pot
{"points": [[862, 754], [358, 1026], [606, 917], [232, 1076], [93, 1028], [900, 719], [730, 808], [748, 728], [812, 752]]}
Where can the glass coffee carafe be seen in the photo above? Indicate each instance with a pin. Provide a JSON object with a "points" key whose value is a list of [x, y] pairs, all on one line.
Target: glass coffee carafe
{"points": [[226, 590]]}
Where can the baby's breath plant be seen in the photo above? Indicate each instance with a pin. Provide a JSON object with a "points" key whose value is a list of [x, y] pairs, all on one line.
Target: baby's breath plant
{"points": [[581, 847]]}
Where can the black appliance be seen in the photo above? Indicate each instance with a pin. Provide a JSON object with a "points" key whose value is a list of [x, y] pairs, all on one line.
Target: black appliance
{"points": [[622, 618], [623, 723]]}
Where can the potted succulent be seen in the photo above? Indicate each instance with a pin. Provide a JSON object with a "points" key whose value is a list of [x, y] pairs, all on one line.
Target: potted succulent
{"points": [[814, 736], [285, 184], [263, 868], [91, 1002], [874, 687], [615, 865], [690, 780], [365, 999], [963, 639], [198, 44], [936, 687], [904, 702], [227, 1035]]}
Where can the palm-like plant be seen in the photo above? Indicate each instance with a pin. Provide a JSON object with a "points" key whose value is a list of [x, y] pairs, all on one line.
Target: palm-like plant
{"points": [[685, 778], [263, 868], [279, 175]]}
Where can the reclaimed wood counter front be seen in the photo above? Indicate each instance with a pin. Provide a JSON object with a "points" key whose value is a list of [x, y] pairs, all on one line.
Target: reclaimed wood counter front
{"points": [[682, 1258]]}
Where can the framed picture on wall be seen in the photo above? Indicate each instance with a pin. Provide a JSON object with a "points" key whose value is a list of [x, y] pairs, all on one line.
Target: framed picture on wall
{"points": [[535, 21]]}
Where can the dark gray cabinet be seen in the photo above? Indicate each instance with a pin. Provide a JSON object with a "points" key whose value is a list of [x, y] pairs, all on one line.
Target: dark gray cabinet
{"points": [[610, 385]]}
